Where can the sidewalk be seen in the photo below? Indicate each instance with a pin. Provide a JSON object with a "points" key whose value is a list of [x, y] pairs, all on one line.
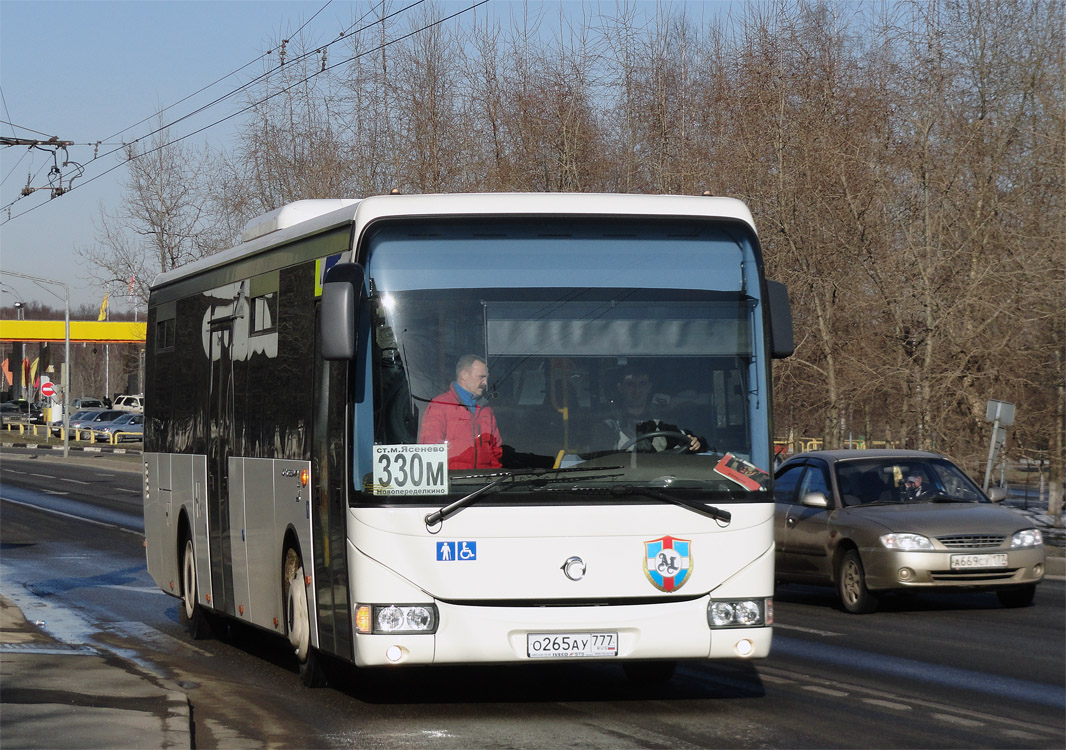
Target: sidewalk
{"points": [[57, 695]]}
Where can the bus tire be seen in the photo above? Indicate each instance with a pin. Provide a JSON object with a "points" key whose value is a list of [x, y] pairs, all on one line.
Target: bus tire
{"points": [[298, 622], [193, 615]]}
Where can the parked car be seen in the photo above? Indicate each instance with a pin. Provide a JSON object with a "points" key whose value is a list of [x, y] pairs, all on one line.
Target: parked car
{"points": [[872, 521], [85, 420], [128, 425], [12, 411], [21, 411], [129, 403], [81, 404], [75, 418]]}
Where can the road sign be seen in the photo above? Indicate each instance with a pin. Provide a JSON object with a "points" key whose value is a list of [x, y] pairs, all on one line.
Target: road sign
{"points": [[1000, 411], [47, 389]]}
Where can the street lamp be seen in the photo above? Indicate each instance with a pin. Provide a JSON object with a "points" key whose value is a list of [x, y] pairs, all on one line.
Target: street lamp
{"points": [[66, 355], [20, 311]]}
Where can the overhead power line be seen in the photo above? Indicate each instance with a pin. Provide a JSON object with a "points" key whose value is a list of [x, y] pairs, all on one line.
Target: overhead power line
{"points": [[216, 81], [267, 98]]}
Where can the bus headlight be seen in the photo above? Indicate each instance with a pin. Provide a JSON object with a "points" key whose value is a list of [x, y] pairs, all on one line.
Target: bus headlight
{"points": [[740, 613], [396, 618]]}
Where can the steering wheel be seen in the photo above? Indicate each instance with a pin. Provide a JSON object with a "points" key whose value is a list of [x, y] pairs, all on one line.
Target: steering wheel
{"points": [[682, 448]]}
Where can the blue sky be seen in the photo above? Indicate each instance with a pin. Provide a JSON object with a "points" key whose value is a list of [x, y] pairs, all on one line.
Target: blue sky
{"points": [[83, 71], [86, 70]]}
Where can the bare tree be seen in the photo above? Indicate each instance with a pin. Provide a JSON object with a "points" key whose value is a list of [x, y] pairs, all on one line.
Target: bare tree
{"points": [[163, 219]]}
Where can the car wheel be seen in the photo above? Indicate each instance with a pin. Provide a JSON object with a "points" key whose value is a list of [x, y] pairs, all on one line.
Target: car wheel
{"points": [[851, 585], [1019, 596], [199, 622]]}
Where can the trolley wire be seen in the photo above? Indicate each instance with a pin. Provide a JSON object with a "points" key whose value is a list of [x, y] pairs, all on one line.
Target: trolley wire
{"points": [[123, 145], [265, 99]]}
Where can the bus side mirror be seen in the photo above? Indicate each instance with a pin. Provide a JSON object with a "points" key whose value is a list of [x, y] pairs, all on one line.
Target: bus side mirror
{"points": [[782, 343], [338, 323]]}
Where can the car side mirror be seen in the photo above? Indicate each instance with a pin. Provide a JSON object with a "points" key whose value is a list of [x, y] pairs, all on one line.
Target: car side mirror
{"points": [[997, 494], [815, 500], [338, 323]]}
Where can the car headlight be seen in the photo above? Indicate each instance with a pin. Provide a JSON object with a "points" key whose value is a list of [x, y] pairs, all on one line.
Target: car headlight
{"points": [[1027, 538], [396, 618], [906, 542], [740, 613]]}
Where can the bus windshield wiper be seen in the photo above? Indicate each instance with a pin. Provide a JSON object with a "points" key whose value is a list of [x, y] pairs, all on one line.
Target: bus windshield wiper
{"points": [[694, 505], [517, 476]]}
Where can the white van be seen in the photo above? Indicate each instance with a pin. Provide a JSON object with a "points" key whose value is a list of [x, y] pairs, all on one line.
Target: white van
{"points": [[129, 403]]}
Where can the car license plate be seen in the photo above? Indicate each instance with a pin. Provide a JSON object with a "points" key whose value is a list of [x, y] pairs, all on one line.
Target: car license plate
{"points": [[571, 645], [959, 562]]}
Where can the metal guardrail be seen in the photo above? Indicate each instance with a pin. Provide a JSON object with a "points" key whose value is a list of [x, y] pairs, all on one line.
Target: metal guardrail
{"points": [[802, 445], [78, 435]]}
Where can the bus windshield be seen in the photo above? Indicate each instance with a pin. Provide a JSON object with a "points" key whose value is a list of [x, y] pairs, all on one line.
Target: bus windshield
{"points": [[655, 383]]}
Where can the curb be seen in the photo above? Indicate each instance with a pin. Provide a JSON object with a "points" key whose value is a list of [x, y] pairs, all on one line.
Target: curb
{"points": [[83, 448]]}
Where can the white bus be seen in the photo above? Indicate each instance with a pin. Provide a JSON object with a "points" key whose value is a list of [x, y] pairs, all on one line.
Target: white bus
{"points": [[620, 508]]}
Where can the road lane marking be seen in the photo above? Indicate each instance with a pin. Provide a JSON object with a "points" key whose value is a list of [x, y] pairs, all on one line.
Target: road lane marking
{"points": [[71, 515], [952, 719], [950, 714], [888, 704], [75, 481], [812, 631], [826, 691]]}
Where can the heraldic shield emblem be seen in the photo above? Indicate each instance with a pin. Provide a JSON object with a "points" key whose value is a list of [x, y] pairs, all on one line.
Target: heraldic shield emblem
{"points": [[667, 562]]}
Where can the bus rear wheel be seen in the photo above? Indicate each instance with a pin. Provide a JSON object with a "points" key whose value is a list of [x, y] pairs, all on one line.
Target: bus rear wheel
{"points": [[195, 617], [298, 621]]}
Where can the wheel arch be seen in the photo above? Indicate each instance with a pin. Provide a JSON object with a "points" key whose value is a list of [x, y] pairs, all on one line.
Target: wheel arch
{"points": [[842, 547]]}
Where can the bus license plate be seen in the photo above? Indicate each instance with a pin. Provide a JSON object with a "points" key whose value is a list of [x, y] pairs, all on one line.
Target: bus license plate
{"points": [[959, 562], [571, 645]]}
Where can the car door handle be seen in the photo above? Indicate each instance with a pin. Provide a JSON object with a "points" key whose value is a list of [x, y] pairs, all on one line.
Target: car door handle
{"points": [[790, 522]]}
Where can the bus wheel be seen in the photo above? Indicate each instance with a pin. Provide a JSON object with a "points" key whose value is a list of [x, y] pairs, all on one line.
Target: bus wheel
{"points": [[194, 616], [312, 670]]}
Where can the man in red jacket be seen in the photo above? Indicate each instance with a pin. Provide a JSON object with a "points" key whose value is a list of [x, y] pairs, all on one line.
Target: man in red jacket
{"points": [[454, 417]]}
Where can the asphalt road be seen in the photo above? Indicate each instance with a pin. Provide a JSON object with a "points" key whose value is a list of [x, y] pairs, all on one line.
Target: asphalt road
{"points": [[924, 671]]}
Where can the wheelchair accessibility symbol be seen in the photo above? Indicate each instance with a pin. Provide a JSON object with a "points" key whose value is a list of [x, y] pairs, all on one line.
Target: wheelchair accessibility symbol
{"points": [[453, 551]]}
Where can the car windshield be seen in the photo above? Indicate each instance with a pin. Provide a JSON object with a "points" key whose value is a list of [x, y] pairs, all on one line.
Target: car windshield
{"points": [[904, 480]]}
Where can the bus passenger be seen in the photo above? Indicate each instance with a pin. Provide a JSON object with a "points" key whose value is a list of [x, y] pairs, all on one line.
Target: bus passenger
{"points": [[454, 417]]}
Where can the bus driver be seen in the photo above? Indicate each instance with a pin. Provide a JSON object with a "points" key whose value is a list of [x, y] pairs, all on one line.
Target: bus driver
{"points": [[454, 417]]}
